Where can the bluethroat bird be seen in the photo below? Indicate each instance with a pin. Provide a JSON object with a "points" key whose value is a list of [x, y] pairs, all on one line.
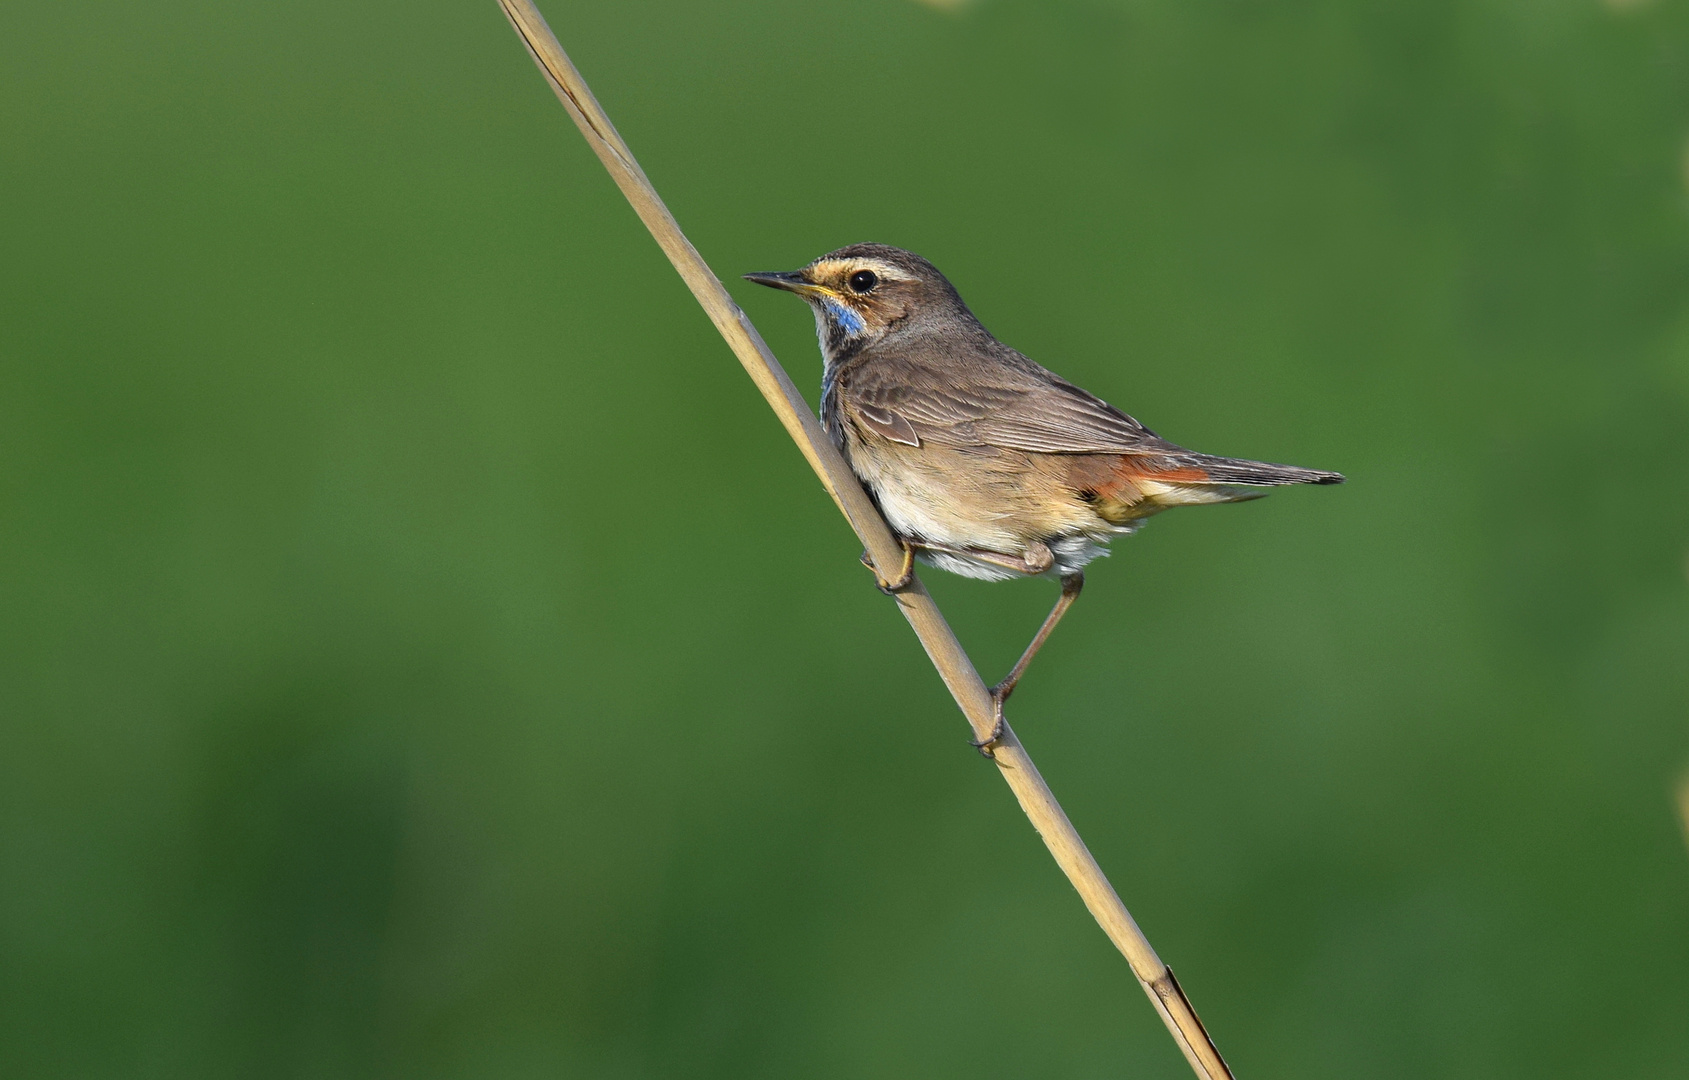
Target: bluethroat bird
{"points": [[984, 463]]}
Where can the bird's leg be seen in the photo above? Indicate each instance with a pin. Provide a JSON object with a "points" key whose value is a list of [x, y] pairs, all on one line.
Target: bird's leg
{"points": [[1070, 586], [904, 573]]}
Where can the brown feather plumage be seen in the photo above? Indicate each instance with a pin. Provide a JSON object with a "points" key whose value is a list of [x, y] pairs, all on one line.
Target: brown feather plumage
{"points": [[974, 450]]}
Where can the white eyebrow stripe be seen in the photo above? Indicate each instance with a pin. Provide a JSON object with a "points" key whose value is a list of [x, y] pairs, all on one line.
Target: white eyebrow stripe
{"points": [[886, 271]]}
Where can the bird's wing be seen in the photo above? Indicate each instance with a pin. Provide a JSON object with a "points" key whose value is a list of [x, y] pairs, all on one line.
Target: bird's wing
{"points": [[1014, 407]]}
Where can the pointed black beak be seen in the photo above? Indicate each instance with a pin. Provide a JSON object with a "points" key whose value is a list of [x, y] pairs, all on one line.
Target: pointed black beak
{"points": [[790, 280]]}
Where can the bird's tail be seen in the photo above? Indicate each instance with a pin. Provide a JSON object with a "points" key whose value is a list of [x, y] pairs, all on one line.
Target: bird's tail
{"points": [[1224, 470], [1139, 485]]}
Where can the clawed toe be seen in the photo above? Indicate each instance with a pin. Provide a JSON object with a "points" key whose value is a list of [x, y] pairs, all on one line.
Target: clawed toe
{"points": [[905, 573], [998, 695]]}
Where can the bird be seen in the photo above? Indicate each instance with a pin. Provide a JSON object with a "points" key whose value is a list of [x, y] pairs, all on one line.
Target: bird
{"points": [[983, 462]]}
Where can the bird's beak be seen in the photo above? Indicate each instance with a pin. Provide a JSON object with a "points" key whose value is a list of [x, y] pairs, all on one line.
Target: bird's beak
{"points": [[790, 280]]}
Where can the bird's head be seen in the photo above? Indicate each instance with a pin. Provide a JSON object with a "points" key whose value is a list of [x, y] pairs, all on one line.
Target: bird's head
{"points": [[866, 292]]}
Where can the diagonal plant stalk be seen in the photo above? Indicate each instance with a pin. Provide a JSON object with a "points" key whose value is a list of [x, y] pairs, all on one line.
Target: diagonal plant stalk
{"points": [[917, 605]]}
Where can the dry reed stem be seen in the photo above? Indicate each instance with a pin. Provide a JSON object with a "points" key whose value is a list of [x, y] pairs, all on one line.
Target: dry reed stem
{"points": [[917, 606]]}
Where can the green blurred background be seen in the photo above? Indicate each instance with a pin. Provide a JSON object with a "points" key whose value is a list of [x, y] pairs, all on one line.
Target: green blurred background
{"points": [[423, 654]]}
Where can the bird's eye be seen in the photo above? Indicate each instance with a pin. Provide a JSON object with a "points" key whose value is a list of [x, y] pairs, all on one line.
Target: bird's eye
{"points": [[863, 281]]}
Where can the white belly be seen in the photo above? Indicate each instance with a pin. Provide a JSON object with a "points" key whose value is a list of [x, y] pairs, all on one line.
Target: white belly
{"points": [[942, 501]]}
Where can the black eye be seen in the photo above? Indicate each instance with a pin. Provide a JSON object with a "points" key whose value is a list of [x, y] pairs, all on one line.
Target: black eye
{"points": [[863, 281]]}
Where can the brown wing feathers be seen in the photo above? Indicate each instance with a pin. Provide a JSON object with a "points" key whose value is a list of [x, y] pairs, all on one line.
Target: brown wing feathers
{"points": [[888, 424], [1018, 411], [1122, 469]]}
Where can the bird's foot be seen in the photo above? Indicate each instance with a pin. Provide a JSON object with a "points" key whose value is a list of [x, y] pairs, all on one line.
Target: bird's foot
{"points": [[999, 694], [905, 573]]}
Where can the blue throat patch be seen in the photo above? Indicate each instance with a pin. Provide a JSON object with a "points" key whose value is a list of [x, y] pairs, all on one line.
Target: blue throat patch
{"points": [[849, 321]]}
